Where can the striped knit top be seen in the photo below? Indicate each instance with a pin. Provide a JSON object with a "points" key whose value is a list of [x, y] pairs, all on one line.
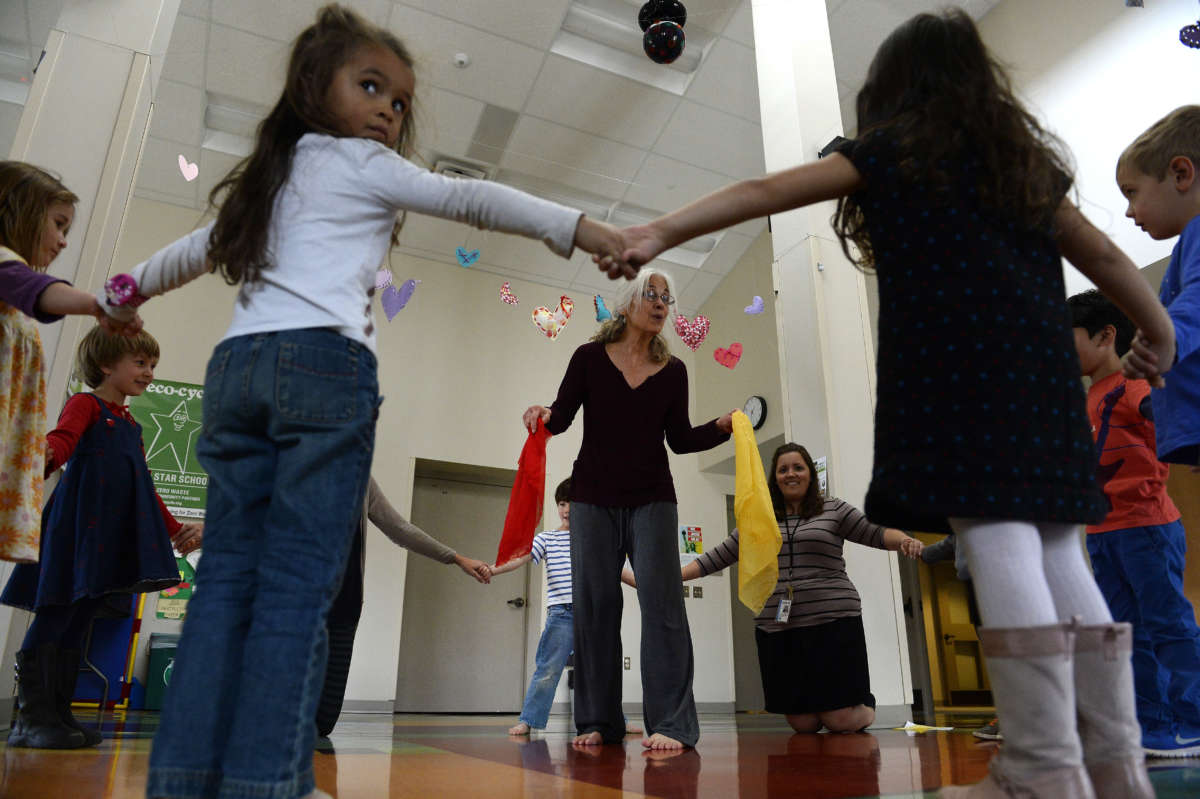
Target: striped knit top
{"points": [[811, 562], [553, 547]]}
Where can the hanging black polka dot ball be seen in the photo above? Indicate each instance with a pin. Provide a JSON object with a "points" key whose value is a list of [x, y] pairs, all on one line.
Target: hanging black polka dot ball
{"points": [[659, 10], [1190, 35], [663, 42]]}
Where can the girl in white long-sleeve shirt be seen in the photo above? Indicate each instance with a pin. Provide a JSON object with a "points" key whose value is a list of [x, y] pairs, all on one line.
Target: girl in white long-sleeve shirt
{"points": [[291, 395]]}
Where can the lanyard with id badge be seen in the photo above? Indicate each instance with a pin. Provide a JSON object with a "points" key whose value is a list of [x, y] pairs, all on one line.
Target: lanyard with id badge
{"points": [[784, 611]]}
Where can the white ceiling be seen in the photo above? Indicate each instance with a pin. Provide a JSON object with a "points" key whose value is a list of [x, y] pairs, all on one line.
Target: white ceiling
{"points": [[537, 119]]}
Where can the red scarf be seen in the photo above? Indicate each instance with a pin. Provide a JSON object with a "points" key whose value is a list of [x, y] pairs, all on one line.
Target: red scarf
{"points": [[525, 502]]}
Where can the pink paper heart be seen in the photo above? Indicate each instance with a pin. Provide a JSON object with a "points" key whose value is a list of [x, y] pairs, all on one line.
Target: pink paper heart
{"points": [[729, 357], [550, 322], [190, 171], [692, 332], [394, 299]]}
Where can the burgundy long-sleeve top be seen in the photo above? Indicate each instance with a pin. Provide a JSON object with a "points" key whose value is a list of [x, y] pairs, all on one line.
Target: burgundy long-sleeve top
{"points": [[80, 413], [622, 461]]}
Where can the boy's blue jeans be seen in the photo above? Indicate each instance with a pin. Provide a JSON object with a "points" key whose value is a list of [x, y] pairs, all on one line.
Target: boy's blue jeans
{"points": [[555, 646], [1140, 572], [289, 429]]}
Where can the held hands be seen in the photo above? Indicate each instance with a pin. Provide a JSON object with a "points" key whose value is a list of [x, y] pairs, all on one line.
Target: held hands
{"points": [[113, 326], [605, 243], [641, 244], [725, 423], [476, 568], [532, 414], [1145, 359], [911, 547], [189, 538]]}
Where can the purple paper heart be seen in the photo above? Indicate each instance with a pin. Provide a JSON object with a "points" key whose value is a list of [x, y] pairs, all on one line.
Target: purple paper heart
{"points": [[394, 299], [755, 307]]}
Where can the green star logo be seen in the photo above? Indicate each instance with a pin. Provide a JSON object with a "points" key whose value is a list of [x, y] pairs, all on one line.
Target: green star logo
{"points": [[171, 446]]}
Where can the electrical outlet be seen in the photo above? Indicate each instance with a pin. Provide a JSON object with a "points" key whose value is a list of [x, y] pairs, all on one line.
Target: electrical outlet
{"points": [[698, 591], [687, 590], [628, 663]]}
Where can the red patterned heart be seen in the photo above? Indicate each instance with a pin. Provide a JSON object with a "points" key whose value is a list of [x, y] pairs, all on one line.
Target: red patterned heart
{"points": [[729, 357], [692, 332]]}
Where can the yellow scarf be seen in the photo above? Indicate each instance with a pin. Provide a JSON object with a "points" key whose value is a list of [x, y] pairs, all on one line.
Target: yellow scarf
{"points": [[758, 533]]}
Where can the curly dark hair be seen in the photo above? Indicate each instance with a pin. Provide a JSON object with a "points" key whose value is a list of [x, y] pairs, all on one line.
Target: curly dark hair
{"points": [[938, 93], [814, 500], [237, 246]]}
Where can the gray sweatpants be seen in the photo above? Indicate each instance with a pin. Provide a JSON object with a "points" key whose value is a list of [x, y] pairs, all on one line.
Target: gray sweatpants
{"points": [[601, 538]]}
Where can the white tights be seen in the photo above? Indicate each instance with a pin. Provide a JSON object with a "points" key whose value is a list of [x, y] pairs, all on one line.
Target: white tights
{"points": [[1029, 574]]}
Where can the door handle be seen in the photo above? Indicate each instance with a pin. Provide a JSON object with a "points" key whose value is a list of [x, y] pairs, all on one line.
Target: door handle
{"points": [[517, 602]]}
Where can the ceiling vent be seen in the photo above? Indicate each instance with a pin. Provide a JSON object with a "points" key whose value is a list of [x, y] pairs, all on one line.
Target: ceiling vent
{"points": [[460, 169]]}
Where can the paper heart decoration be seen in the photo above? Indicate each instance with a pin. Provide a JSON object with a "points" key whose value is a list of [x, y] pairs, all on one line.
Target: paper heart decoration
{"points": [[729, 357], [550, 322], [602, 312], [466, 257], [506, 294], [756, 305], [383, 279], [692, 332], [394, 299], [190, 171]]}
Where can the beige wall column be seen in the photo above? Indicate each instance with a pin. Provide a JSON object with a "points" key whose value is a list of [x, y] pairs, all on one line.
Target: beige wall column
{"points": [[87, 113], [826, 349]]}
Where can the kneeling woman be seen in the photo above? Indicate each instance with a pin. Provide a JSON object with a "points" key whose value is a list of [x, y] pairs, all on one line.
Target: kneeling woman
{"points": [[812, 653]]}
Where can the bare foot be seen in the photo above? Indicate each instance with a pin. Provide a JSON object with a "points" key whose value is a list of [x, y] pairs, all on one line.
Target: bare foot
{"points": [[632, 729], [660, 741], [588, 739], [520, 729]]}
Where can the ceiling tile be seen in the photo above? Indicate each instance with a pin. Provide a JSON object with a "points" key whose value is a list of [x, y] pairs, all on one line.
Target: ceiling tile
{"points": [[15, 25], [857, 29], [698, 290], [726, 254], [195, 8], [741, 25], [728, 80], [600, 102], [445, 120], [284, 21], [715, 141], [534, 22], [178, 112], [214, 166], [43, 15], [234, 55], [712, 15], [185, 53], [664, 184], [580, 160], [159, 172], [501, 71]]}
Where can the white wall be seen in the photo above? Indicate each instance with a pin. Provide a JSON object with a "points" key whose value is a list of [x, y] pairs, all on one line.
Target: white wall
{"points": [[457, 368], [1098, 74]]}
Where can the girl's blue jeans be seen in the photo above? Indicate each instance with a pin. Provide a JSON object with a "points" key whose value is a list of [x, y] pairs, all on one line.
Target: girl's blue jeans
{"points": [[289, 429], [555, 646]]}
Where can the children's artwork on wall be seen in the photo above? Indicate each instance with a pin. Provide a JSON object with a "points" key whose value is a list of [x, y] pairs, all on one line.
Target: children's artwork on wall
{"points": [[551, 322], [466, 257], [506, 294], [729, 357], [171, 415], [394, 299], [691, 543], [602, 312], [756, 306], [692, 332], [383, 278]]}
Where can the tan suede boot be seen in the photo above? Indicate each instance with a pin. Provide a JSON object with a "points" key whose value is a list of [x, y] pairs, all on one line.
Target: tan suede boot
{"points": [[1033, 684], [1108, 725]]}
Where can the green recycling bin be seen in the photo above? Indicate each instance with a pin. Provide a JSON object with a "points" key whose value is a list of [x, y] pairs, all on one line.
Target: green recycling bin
{"points": [[162, 663]]}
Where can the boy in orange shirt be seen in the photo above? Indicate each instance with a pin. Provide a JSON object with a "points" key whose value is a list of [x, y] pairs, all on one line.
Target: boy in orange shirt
{"points": [[1138, 550]]}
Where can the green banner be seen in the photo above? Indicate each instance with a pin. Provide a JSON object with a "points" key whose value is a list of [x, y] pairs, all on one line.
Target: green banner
{"points": [[170, 414]]}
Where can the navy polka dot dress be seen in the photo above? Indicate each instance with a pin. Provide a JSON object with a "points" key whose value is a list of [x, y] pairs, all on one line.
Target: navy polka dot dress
{"points": [[980, 410]]}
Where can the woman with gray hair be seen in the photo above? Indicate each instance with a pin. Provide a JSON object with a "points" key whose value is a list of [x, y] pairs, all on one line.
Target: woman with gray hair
{"points": [[633, 393]]}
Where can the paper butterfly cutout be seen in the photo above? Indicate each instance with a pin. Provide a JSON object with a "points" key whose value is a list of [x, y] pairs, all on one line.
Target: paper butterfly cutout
{"points": [[383, 279], [602, 312], [692, 332], [550, 322], [507, 295], [394, 299], [756, 305], [465, 257], [729, 357], [189, 171]]}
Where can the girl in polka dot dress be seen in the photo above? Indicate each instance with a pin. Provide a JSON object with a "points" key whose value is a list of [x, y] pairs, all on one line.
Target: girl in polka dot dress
{"points": [[957, 198]]}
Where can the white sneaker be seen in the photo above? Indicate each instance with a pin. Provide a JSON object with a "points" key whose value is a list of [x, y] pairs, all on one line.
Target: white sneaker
{"points": [[318, 794]]}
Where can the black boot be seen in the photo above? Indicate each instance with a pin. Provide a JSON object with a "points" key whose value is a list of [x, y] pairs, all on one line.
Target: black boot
{"points": [[68, 674], [37, 724], [333, 692]]}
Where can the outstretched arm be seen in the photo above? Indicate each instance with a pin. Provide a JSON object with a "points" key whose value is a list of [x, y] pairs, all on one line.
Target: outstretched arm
{"points": [[512, 565], [899, 541], [827, 179]]}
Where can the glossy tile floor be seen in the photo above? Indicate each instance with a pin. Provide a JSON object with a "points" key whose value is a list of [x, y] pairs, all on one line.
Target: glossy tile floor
{"points": [[745, 756]]}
